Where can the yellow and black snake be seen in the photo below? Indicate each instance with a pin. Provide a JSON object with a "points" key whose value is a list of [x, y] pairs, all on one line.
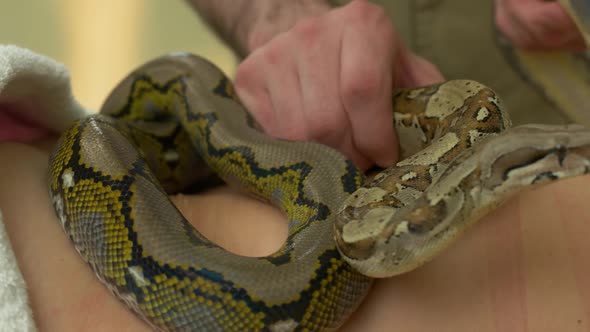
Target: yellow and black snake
{"points": [[175, 118]]}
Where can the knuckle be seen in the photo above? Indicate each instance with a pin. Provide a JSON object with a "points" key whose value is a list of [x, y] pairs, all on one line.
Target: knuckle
{"points": [[361, 85], [254, 68], [364, 10], [272, 55], [371, 17], [308, 29]]}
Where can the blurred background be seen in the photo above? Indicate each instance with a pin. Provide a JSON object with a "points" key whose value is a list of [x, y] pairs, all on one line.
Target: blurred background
{"points": [[101, 41]]}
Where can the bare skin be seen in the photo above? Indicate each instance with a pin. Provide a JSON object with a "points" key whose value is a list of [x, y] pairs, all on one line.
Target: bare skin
{"points": [[538, 25], [524, 268]]}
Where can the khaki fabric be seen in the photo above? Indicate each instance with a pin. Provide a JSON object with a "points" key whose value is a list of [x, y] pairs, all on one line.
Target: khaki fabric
{"points": [[458, 36]]}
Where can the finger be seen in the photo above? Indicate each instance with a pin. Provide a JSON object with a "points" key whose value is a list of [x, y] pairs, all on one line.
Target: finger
{"points": [[423, 71], [366, 92], [326, 117], [510, 26], [552, 25], [412, 71], [250, 86], [285, 95], [319, 72]]}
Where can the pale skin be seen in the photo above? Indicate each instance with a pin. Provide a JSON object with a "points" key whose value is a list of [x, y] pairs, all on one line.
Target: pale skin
{"points": [[538, 25], [523, 268]]}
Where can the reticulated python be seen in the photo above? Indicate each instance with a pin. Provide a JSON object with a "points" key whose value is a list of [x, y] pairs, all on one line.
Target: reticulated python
{"points": [[110, 174]]}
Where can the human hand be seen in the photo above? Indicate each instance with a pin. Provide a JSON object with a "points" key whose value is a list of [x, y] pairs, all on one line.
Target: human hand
{"points": [[538, 25], [330, 79]]}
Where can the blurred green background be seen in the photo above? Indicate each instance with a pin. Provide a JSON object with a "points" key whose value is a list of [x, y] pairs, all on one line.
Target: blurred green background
{"points": [[100, 41]]}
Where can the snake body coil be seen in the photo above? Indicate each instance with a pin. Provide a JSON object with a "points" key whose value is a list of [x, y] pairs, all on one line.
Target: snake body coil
{"points": [[110, 174]]}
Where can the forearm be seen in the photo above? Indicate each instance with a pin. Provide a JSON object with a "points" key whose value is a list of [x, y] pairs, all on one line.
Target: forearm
{"points": [[247, 24]]}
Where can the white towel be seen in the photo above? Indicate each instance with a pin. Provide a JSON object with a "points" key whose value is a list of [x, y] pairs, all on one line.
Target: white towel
{"points": [[15, 314], [37, 89]]}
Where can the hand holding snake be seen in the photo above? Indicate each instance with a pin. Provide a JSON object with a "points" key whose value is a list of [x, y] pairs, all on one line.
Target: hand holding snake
{"points": [[338, 91]]}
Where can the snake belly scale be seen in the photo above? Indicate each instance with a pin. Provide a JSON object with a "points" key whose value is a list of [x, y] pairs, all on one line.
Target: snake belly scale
{"points": [[176, 118]]}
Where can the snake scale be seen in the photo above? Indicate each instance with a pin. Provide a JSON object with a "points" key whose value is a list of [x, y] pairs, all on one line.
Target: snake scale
{"points": [[176, 118]]}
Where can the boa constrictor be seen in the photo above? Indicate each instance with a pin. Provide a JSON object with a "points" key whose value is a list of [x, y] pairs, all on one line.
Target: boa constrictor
{"points": [[110, 174]]}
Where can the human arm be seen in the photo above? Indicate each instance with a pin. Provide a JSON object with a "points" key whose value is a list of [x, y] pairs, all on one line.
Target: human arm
{"points": [[245, 25]]}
